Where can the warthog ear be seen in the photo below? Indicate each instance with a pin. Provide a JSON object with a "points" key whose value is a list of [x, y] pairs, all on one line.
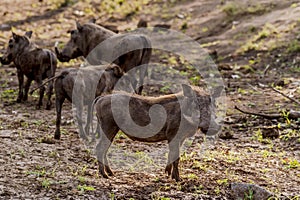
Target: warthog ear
{"points": [[217, 91], [28, 34], [93, 21], [78, 25], [117, 71], [15, 36], [188, 91]]}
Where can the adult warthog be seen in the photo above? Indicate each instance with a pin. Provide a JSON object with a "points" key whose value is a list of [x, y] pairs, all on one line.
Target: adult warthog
{"points": [[125, 50], [81, 86], [35, 63], [152, 119]]}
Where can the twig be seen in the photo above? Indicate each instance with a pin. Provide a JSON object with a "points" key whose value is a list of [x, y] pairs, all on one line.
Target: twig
{"points": [[267, 116], [290, 98], [292, 114], [266, 70]]}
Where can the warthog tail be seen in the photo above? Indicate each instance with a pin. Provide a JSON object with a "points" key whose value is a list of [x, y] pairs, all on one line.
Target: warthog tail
{"points": [[50, 79], [61, 75]]}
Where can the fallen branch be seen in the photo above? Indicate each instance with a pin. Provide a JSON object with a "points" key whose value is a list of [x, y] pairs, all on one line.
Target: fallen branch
{"points": [[267, 116], [292, 114], [290, 98]]}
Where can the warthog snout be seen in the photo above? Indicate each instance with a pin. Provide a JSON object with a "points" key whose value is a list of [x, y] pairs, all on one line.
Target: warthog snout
{"points": [[5, 60], [60, 56], [65, 55], [210, 129]]}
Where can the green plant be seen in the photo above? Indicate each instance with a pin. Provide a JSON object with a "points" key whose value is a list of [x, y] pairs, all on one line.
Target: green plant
{"points": [[259, 42], [9, 94], [22, 153], [285, 115], [291, 163], [192, 176], [217, 190], [199, 189], [81, 179], [195, 80], [83, 188], [46, 183], [258, 135], [293, 46], [184, 26], [222, 181], [234, 9], [165, 89], [39, 171], [287, 134], [249, 195], [112, 196]]}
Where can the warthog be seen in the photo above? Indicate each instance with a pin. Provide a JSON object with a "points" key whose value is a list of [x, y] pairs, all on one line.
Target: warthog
{"points": [[81, 86], [131, 50], [37, 64], [171, 117]]}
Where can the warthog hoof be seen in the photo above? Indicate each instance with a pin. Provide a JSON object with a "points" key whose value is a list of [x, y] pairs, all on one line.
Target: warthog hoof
{"points": [[19, 99], [102, 170], [57, 135], [48, 107], [168, 169]]}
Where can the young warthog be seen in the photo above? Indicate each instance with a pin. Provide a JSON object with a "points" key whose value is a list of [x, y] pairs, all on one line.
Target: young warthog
{"points": [[152, 119], [78, 86], [131, 50], [37, 64]]}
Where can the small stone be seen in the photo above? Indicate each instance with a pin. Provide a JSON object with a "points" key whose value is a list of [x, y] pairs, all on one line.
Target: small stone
{"points": [[6, 133], [180, 16], [243, 190]]}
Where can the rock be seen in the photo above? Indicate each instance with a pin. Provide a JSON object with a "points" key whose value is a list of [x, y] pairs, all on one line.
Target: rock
{"points": [[163, 26], [213, 55], [6, 133], [225, 135], [180, 16], [247, 191], [225, 66], [5, 27], [142, 23], [270, 132]]}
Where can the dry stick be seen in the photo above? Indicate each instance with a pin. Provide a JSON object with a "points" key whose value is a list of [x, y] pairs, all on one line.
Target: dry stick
{"points": [[267, 116], [292, 114], [266, 70], [290, 98]]}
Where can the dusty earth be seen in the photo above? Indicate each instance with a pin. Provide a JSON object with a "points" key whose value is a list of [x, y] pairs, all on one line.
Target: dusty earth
{"points": [[257, 45]]}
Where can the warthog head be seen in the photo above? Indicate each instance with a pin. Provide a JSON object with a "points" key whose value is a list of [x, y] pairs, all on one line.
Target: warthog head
{"points": [[202, 108], [83, 39], [16, 45]]}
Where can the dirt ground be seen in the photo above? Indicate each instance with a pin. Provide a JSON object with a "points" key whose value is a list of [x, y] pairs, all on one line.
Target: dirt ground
{"points": [[257, 45]]}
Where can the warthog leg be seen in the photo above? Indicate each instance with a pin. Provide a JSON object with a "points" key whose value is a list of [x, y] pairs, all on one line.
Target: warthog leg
{"points": [[106, 138], [21, 81], [173, 160], [49, 94], [88, 120], [26, 88], [79, 110], [42, 91], [59, 100]]}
